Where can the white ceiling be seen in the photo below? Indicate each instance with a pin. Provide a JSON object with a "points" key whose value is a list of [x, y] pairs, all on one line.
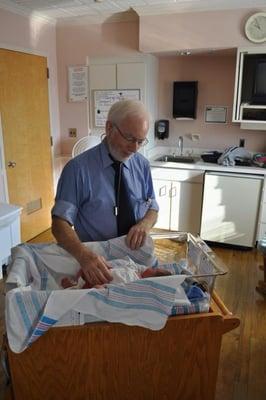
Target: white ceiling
{"points": [[57, 9]]}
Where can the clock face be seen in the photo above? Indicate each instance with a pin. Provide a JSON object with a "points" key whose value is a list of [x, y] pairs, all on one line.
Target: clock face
{"points": [[255, 27]]}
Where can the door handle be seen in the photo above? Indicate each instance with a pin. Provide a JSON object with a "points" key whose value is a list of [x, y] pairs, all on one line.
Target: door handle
{"points": [[172, 192], [11, 164], [162, 191]]}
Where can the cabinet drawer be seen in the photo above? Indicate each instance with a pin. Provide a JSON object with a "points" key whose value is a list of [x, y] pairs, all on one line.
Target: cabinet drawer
{"points": [[180, 175]]}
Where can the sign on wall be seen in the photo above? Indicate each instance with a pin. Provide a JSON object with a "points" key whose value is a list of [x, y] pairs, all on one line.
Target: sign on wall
{"points": [[104, 99], [78, 83], [215, 114]]}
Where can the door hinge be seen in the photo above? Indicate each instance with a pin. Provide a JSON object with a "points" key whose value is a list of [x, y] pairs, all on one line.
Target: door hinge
{"points": [[47, 73], [51, 141]]}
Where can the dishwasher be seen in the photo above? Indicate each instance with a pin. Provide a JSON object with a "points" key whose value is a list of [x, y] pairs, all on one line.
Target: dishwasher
{"points": [[230, 208]]}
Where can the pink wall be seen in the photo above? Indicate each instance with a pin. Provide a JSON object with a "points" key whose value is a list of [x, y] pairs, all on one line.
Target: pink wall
{"points": [[161, 34], [198, 30], [34, 36], [215, 76], [74, 43]]}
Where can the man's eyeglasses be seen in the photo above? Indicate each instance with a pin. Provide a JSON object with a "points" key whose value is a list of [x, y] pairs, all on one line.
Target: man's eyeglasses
{"points": [[132, 139]]}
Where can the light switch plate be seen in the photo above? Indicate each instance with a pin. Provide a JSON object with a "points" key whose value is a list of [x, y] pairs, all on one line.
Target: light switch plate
{"points": [[195, 137]]}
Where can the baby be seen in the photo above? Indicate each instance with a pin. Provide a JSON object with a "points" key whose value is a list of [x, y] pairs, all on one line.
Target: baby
{"points": [[122, 270]]}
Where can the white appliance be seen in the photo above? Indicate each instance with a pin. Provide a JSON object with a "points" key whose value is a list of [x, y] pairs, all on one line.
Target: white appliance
{"points": [[230, 208]]}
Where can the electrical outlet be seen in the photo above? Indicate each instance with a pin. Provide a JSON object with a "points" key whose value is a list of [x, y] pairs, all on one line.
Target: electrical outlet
{"points": [[72, 132], [241, 142], [195, 137]]}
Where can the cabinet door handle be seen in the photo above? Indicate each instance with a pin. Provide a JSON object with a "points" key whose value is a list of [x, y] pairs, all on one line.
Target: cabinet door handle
{"points": [[172, 192], [162, 191]]}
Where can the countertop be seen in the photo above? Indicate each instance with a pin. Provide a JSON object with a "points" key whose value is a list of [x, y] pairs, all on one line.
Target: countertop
{"points": [[204, 166]]}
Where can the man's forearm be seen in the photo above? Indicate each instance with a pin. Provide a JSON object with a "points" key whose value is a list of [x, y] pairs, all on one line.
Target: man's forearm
{"points": [[94, 266], [68, 238], [150, 218]]}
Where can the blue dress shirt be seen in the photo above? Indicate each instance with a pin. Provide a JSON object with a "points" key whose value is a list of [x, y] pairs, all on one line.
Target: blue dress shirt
{"points": [[86, 197]]}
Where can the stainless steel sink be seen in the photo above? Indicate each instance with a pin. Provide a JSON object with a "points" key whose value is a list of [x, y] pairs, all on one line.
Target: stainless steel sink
{"points": [[177, 159]]}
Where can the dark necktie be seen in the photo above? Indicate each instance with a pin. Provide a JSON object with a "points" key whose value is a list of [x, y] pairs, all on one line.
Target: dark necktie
{"points": [[123, 210]]}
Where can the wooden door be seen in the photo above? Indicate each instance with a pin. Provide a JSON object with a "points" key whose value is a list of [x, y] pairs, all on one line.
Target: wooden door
{"points": [[26, 135]]}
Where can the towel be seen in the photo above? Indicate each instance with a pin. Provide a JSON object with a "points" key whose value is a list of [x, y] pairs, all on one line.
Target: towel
{"points": [[231, 154]]}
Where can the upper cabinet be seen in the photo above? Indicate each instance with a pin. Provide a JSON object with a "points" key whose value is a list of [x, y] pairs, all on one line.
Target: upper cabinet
{"points": [[102, 77], [140, 72], [250, 88]]}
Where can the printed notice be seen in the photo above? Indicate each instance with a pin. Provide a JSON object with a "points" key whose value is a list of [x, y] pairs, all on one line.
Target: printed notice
{"points": [[78, 83], [215, 114]]}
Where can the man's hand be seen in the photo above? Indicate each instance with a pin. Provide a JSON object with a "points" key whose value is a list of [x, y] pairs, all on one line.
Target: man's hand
{"points": [[95, 268], [137, 234]]}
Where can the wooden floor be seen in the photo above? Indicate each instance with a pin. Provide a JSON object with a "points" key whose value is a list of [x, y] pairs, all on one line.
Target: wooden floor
{"points": [[242, 370]]}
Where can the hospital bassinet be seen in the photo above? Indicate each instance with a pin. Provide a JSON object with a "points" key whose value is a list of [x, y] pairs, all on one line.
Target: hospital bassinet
{"points": [[104, 360]]}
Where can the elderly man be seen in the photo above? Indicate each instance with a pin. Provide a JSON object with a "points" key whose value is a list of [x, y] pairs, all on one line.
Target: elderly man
{"points": [[107, 192]]}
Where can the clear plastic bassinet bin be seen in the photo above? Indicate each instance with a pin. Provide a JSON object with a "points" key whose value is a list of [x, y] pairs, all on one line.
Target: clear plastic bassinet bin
{"points": [[199, 260]]}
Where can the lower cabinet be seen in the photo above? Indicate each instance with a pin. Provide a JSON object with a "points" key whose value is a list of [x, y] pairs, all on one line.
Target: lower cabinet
{"points": [[179, 194], [230, 208], [261, 231], [9, 231]]}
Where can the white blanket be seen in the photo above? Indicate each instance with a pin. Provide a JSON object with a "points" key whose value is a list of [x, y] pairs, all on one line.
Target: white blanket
{"points": [[37, 304]]}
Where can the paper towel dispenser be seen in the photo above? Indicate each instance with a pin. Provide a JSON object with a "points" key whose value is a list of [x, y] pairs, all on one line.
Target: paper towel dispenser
{"points": [[185, 99]]}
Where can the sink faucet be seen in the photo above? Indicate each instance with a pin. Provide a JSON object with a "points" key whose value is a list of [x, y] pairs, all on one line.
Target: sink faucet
{"points": [[180, 145]]}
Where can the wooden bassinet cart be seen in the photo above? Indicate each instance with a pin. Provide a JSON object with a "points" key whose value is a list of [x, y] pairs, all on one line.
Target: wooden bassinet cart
{"points": [[103, 361]]}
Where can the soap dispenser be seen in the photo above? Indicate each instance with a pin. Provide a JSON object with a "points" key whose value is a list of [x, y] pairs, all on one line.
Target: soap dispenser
{"points": [[161, 129]]}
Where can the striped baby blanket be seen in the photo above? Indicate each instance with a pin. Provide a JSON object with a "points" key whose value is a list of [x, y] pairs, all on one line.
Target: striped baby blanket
{"points": [[37, 304]]}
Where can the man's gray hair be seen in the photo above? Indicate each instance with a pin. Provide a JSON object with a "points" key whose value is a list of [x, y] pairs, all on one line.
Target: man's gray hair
{"points": [[125, 108]]}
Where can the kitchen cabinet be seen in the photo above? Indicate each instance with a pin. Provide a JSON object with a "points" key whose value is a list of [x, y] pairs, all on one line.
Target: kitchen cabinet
{"points": [[139, 72], [102, 77], [179, 195], [249, 78], [9, 231], [261, 232], [230, 208], [128, 75]]}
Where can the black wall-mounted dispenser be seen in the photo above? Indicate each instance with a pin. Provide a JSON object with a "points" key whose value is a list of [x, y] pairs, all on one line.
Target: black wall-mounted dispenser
{"points": [[185, 99], [161, 128]]}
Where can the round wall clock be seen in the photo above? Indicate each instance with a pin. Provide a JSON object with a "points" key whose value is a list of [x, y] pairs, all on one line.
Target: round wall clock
{"points": [[255, 27]]}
